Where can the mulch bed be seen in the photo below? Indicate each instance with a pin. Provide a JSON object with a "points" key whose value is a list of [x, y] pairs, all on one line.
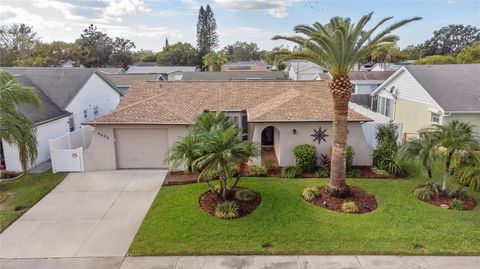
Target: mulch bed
{"points": [[364, 201], [208, 202], [179, 178], [439, 199]]}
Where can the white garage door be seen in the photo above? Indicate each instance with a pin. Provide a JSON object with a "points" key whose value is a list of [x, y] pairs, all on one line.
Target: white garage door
{"points": [[141, 148]]}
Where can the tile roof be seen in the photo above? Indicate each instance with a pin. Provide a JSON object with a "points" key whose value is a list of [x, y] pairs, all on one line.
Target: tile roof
{"points": [[455, 87], [234, 75], [179, 102]]}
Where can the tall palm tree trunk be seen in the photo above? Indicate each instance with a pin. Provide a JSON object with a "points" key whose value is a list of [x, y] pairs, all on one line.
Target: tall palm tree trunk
{"points": [[340, 88], [447, 170]]}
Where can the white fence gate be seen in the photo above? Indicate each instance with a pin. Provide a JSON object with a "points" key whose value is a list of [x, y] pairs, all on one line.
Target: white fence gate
{"points": [[66, 151]]}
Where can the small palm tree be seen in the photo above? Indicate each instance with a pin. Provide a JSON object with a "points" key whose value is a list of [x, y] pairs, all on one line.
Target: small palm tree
{"points": [[213, 147], [453, 137], [387, 53], [214, 60], [15, 128], [422, 150], [338, 46]]}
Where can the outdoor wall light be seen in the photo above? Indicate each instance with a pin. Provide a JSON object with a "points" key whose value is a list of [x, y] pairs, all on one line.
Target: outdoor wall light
{"points": [[294, 131]]}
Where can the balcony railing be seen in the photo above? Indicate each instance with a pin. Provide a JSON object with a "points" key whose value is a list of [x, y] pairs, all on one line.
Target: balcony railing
{"points": [[364, 100]]}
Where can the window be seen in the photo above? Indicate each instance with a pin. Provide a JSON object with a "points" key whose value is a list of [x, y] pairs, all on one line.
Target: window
{"points": [[435, 117], [95, 111], [85, 114], [385, 106], [71, 123]]}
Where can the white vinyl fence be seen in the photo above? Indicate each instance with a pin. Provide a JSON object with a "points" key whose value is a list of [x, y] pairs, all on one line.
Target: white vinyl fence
{"points": [[66, 151]]}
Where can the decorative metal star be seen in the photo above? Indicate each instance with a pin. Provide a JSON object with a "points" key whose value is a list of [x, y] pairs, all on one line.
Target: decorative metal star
{"points": [[319, 135]]}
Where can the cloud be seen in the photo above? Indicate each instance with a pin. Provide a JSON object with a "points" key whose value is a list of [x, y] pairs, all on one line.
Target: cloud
{"points": [[275, 8]]}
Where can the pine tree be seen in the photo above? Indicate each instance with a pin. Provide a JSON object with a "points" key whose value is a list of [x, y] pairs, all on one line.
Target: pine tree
{"points": [[207, 37]]}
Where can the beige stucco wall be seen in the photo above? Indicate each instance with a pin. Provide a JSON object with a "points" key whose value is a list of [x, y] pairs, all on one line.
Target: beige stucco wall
{"points": [[413, 115], [286, 141], [470, 118], [101, 155]]}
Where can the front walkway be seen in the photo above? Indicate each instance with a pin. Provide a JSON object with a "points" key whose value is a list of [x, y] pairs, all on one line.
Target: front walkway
{"points": [[249, 262], [94, 214]]}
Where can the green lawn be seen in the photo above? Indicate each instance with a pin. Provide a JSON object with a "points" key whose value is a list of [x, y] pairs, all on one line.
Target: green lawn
{"points": [[25, 192], [175, 225]]}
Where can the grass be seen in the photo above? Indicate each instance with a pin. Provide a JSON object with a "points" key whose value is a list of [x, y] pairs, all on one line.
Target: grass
{"points": [[285, 224], [24, 192]]}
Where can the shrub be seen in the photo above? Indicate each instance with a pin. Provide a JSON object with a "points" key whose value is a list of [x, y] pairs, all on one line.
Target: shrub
{"points": [[385, 155], [354, 173], [349, 157], [227, 210], [457, 204], [325, 161], [258, 171], [460, 193], [380, 172], [424, 193], [244, 194], [310, 193], [305, 157], [322, 173], [469, 173], [269, 164], [350, 208], [291, 172]]}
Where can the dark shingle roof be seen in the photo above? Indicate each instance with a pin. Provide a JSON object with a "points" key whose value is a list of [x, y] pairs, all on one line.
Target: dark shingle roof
{"points": [[232, 75], [370, 75], [46, 112], [455, 87]]}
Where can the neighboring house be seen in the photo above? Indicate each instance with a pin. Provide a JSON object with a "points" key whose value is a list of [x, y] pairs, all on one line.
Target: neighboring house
{"points": [[278, 115], [111, 70], [168, 72], [246, 66], [303, 70], [70, 96], [123, 81], [421, 95], [385, 67], [234, 75]]}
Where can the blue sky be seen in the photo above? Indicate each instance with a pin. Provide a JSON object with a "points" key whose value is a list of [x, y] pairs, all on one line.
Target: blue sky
{"points": [[149, 22]]}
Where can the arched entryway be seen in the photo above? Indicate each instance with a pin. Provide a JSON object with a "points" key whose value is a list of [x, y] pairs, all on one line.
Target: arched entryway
{"points": [[270, 146]]}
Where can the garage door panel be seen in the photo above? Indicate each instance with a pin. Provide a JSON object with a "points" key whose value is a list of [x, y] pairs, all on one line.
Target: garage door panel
{"points": [[141, 148]]}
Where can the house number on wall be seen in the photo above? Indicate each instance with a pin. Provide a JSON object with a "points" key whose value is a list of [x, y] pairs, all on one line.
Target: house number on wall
{"points": [[104, 136]]}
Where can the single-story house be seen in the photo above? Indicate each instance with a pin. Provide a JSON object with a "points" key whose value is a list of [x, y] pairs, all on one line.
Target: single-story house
{"points": [[168, 72], [69, 97], [278, 115], [303, 70], [421, 95], [123, 81], [234, 75], [246, 66]]}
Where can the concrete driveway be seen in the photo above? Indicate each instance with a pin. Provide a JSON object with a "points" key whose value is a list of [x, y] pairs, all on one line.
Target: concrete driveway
{"points": [[94, 214]]}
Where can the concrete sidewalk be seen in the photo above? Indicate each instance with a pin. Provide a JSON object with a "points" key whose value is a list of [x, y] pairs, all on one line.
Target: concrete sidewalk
{"points": [[249, 262]]}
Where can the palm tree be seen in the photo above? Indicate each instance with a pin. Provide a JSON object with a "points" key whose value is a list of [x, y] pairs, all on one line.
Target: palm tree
{"points": [[387, 53], [16, 128], [213, 147], [214, 60], [422, 150], [453, 137], [337, 46]]}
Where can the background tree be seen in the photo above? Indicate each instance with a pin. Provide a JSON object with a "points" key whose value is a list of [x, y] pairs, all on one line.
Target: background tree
{"points": [[436, 59], [214, 61], [122, 55], [17, 41], [16, 128], [144, 56], [207, 37], [50, 54], [338, 46], [388, 53], [413, 52], [166, 42], [178, 54], [451, 39], [243, 51], [95, 47], [469, 55]]}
